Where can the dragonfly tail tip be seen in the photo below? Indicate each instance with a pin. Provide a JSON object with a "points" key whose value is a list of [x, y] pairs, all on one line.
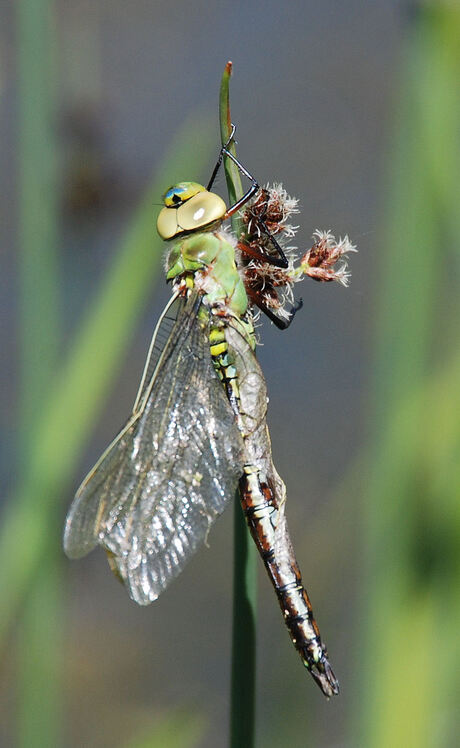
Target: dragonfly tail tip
{"points": [[324, 676]]}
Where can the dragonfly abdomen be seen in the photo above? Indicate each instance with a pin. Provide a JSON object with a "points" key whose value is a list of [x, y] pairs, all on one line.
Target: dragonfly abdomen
{"points": [[225, 368], [267, 524], [262, 494]]}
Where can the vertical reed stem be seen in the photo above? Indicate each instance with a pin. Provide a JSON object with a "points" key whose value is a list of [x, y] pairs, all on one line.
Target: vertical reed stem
{"points": [[242, 708], [39, 703]]}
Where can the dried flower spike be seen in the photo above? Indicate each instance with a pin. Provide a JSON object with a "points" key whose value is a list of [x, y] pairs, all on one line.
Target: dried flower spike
{"points": [[266, 229], [318, 263]]}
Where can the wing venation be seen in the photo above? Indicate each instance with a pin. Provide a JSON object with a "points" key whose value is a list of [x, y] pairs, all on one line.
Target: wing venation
{"points": [[152, 497]]}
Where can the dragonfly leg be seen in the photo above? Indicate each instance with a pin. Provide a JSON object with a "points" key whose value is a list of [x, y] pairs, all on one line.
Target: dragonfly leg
{"points": [[280, 322], [249, 193], [220, 158], [224, 151], [280, 261]]}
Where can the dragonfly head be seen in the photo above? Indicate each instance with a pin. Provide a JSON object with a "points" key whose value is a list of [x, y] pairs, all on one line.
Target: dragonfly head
{"points": [[188, 207]]}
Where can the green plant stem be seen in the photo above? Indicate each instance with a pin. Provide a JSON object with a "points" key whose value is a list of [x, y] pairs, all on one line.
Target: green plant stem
{"points": [[40, 657], [410, 519], [39, 636], [232, 175], [37, 207], [242, 708], [179, 728], [80, 389]]}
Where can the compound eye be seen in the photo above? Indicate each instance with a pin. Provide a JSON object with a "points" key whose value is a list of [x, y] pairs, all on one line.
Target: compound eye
{"points": [[200, 210], [173, 197], [167, 223], [188, 207], [180, 193]]}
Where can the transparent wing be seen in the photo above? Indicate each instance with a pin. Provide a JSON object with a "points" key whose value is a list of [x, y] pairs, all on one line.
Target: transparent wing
{"points": [[153, 495], [160, 337]]}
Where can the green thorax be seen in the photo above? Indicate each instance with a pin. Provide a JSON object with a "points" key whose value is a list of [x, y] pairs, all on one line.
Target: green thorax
{"points": [[209, 259]]}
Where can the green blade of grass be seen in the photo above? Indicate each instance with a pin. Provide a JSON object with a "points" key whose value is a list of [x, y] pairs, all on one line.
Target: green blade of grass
{"points": [[403, 658], [37, 207], [242, 707], [40, 657], [80, 389], [39, 635], [180, 729]]}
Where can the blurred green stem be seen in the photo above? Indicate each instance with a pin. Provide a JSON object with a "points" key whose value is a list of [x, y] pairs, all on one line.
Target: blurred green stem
{"points": [[37, 206], [242, 708], [403, 676], [79, 390], [38, 650]]}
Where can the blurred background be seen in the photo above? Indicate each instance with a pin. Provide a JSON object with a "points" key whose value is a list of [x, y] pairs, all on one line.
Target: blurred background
{"points": [[355, 107]]}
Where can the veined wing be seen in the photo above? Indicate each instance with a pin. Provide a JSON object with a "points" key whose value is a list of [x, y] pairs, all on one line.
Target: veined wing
{"points": [[153, 495], [160, 337]]}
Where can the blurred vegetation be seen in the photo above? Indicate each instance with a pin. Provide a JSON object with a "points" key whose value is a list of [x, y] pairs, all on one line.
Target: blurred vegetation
{"points": [[407, 652], [411, 678], [39, 650], [53, 398], [179, 729]]}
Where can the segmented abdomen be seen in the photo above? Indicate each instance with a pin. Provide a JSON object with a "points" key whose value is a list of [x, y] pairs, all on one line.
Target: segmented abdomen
{"points": [[263, 496]]}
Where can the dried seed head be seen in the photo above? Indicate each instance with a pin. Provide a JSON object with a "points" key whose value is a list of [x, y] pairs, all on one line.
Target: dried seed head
{"points": [[319, 261], [271, 286], [270, 211]]}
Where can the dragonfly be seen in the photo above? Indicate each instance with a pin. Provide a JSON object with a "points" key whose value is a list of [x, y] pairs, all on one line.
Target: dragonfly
{"points": [[197, 433]]}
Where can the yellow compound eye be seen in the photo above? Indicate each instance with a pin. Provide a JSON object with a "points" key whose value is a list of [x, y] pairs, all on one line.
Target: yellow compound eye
{"points": [[203, 208], [199, 210], [167, 223], [180, 193]]}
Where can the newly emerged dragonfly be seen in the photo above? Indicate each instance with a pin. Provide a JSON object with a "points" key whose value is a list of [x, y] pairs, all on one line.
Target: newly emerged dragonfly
{"points": [[197, 432]]}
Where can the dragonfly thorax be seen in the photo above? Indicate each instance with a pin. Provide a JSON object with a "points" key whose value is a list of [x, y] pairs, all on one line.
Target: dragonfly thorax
{"points": [[207, 259], [188, 207]]}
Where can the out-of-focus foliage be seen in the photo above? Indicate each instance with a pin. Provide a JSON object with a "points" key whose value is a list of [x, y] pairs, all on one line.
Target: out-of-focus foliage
{"points": [[411, 496], [177, 730], [60, 404], [405, 658]]}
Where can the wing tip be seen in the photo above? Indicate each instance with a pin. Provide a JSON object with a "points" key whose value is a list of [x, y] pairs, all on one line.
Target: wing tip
{"points": [[73, 548]]}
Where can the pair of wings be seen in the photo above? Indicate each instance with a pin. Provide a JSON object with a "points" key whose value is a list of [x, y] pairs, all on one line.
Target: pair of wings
{"points": [[153, 494]]}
